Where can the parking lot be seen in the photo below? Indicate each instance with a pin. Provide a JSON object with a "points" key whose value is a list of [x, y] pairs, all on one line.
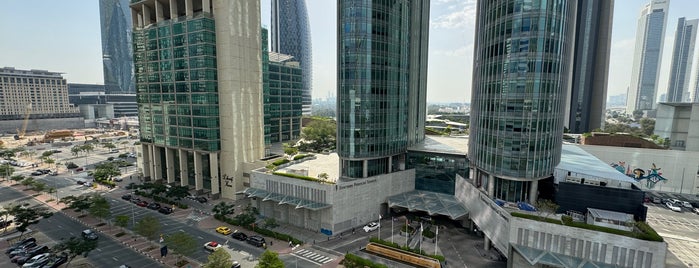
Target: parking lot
{"points": [[679, 229]]}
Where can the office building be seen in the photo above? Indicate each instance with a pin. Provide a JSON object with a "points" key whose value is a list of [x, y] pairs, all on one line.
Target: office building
{"points": [[199, 88], [593, 36], [518, 96], [291, 35], [116, 105], [35, 100], [381, 83], [682, 58], [283, 91], [647, 55], [117, 54]]}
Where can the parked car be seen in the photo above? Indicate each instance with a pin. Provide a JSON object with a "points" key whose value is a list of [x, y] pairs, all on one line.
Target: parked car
{"points": [[165, 210], [23, 249], [22, 258], [142, 203], [223, 230], [673, 207], [239, 235], [126, 197], [20, 244], [135, 200], [79, 169], [36, 173], [89, 234], [37, 261], [201, 199], [256, 240], [154, 206], [371, 227], [236, 264], [117, 179], [696, 210], [686, 204], [212, 246], [53, 173], [4, 223], [131, 186], [55, 261]]}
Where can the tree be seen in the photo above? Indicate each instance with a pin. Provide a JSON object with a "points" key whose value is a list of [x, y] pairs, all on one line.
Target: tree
{"points": [[219, 259], [321, 133], [108, 145], [7, 154], [39, 186], [546, 207], [100, 207], [27, 181], [182, 244], [647, 126], [79, 204], [269, 259], [6, 170], [105, 171], [148, 227], [290, 150], [637, 114], [17, 178], [121, 221], [178, 192], [74, 247], [49, 161], [323, 176], [248, 216], [223, 209], [271, 223], [25, 216]]}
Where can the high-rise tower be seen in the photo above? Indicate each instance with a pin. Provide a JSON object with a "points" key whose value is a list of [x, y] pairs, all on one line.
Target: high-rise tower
{"points": [[291, 35], [199, 86], [682, 57], [648, 52], [117, 54], [588, 95], [520, 80], [381, 88]]}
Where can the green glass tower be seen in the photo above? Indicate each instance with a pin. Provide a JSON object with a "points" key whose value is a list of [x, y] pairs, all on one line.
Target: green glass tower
{"points": [[198, 76], [520, 76], [381, 90]]}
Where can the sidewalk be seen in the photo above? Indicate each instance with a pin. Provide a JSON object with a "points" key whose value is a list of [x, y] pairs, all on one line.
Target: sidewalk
{"points": [[137, 243]]}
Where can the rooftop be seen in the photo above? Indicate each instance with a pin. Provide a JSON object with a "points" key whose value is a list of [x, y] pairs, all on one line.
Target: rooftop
{"points": [[442, 144], [324, 163], [574, 158]]}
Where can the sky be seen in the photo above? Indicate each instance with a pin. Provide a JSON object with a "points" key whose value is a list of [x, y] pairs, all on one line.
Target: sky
{"points": [[64, 36]]}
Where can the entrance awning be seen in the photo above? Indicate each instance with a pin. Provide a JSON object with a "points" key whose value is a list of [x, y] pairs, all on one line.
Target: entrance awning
{"points": [[538, 256], [285, 199], [430, 202]]}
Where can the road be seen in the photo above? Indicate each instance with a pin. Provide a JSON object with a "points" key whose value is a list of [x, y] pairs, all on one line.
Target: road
{"points": [[109, 252]]}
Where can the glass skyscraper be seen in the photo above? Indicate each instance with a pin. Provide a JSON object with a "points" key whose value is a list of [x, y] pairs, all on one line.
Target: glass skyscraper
{"points": [[381, 89], [646, 61], [588, 95], [117, 54], [291, 35], [682, 58], [520, 76]]}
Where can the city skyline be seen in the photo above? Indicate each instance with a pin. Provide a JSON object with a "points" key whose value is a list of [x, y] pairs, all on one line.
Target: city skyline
{"points": [[74, 35]]}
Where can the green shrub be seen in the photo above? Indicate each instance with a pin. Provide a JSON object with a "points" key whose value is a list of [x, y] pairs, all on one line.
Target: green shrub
{"points": [[354, 261], [301, 156], [428, 233], [301, 177], [280, 162]]}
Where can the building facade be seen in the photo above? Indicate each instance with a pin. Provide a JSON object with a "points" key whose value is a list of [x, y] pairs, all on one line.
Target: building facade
{"points": [[682, 58], [520, 78], [199, 88], [291, 35], [647, 54], [381, 88], [593, 36], [117, 53], [120, 105]]}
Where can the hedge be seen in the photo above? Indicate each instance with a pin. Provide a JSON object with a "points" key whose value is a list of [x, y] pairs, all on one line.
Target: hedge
{"points": [[413, 250], [354, 261], [260, 230], [301, 156], [301, 177], [646, 232], [280, 162]]}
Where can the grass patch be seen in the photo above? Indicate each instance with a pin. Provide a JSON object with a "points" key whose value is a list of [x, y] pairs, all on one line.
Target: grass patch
{"points": [[181, 263], [120, 234], [301, 177], [645, 232]]}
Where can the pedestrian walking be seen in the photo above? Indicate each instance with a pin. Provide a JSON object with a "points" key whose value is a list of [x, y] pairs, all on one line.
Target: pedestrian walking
{"points": [[291, 244], [271, 242]]}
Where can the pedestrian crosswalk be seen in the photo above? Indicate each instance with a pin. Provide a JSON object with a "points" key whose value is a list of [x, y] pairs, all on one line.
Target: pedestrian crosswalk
{"points": [[312, 256]]}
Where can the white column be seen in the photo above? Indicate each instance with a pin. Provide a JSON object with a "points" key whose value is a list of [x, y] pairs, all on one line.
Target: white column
{"points": [[533, 190], [158, 164], [173, 9], [170, 164], [390, 164], [198, 175], [491, 185], [486, 243], [146, 160], [159, 12], [188, 8], [206, 6], [213, 170], [184, 173], [365, 168]]}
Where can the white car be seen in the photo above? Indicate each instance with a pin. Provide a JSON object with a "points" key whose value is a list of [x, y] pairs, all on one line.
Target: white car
{"points": [[371, 227], [37, 261], [686, 204], [696, 210], [673, 207], [212, 246]]}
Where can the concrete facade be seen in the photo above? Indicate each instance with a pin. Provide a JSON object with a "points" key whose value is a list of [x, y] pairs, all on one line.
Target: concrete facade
{"points": [[679, 122], [10, 126]]}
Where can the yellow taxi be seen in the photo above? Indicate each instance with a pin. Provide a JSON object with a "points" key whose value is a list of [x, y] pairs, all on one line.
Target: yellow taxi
{"points": [[223, 230]]}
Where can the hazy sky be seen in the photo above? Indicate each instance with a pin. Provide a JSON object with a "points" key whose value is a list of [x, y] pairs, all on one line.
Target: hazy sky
{"points": [[64, 36]]}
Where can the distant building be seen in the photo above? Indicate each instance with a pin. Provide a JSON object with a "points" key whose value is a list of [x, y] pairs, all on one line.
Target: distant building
{"points": [[283, 90], [650, 33], [291, 35], [103, 105], [39, 96], [593, 36], [117, 54], [682, 58]]}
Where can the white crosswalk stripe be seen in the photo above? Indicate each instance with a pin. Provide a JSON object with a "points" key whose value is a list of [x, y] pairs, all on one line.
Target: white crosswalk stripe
{"points": [[312, 256]]}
